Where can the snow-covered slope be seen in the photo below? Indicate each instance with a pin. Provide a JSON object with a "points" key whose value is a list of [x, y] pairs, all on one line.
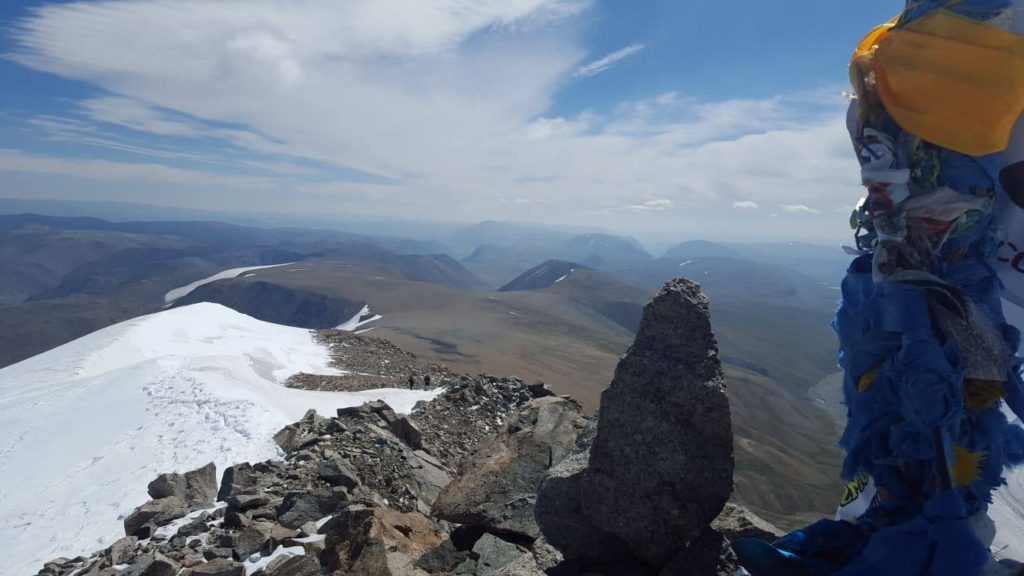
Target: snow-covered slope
{"points": [[84, 427], [183, 291]]}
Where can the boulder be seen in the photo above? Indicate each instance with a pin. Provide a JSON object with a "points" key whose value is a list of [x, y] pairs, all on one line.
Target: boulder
{"points": [[428, 477], [197, 488], [494, 553], [561, 516], [304, 565], [194, 527], [708, 555], [122, 551], [301, 507], [402, 427], [146, 518], [155, 564], [219, 567], [338, 472], [496, 487], [243, 502], [736, 522], [365, 541], [251, 540], [237, 480], [291, 438], [217, 552], [661, 466], [443, 559]]}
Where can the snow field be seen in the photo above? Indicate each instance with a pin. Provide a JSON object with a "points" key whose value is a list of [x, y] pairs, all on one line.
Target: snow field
{"points": [[183, 291], [86, 426]]}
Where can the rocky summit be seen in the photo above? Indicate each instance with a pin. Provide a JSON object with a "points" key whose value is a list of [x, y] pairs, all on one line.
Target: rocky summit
{"points": [[492, 477], [645, 485]]}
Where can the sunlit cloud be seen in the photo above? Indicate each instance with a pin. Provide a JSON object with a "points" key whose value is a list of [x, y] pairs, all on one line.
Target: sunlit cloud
{"points": [[449, 102]]}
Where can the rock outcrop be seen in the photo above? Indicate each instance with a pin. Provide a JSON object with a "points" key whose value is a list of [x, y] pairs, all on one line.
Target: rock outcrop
{"points": [[492, 477], [660, 467], [496, 487]]}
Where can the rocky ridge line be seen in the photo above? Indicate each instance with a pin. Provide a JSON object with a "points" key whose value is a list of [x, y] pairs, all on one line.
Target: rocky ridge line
{"points": [[453, 487]]}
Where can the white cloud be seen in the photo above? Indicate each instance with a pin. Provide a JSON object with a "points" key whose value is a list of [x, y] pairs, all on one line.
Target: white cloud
{"points": [[746, 205], [450, 99], [662, 204], [799, 209], [597, 66]]}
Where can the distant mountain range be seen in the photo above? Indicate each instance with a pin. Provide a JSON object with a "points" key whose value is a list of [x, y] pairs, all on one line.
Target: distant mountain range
{"points": [[541, 304]]}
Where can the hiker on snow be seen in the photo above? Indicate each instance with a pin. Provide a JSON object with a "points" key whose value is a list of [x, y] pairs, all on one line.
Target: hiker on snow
{"points": [[928, 355]]}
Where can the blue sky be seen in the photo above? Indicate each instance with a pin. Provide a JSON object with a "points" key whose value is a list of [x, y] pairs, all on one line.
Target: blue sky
{"points": [[657, 118]]}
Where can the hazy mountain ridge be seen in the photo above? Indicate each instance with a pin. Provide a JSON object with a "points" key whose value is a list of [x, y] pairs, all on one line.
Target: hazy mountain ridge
{"points": [[561, 321]]}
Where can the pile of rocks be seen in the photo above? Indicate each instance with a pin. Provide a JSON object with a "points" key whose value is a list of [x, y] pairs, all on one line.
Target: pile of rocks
{"points": [[353, 495], [493, 477], [470, 410], [370, 364]]}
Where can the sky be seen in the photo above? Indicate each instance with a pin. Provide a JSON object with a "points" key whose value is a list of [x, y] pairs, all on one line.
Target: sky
{"points": [[656, 118]]}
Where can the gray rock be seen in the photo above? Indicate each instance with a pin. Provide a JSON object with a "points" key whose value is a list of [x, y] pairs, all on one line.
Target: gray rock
{"points": [[496, 487], [122, 551], [661, 465], [337, 472], [467, 567], [237, 479], [195, 527], [736, 522], [402, 427], [442, 559], [546, 555], [525, 565], [237, 520], [354, 411], [219, 567], [377, 406], [367, 541], [563, 520], [196, 488], [155, 564], [708, 555], [301, 507], [494, 553], [142, 521], [290, 438], [294, 566], [428, 477], [251, 540], [308, 529], [217, 552], [244, 502]]}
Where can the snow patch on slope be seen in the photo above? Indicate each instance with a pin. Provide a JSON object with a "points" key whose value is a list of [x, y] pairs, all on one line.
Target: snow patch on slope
{"points": [[364, 317], [183, 291], [565, 276], [84, 427]]}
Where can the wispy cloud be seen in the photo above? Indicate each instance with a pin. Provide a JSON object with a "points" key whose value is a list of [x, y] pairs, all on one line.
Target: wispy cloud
{"points": [[746, 205], [660, 204], [597, 66], [451, 101], [16, 161], [799, 209]]}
